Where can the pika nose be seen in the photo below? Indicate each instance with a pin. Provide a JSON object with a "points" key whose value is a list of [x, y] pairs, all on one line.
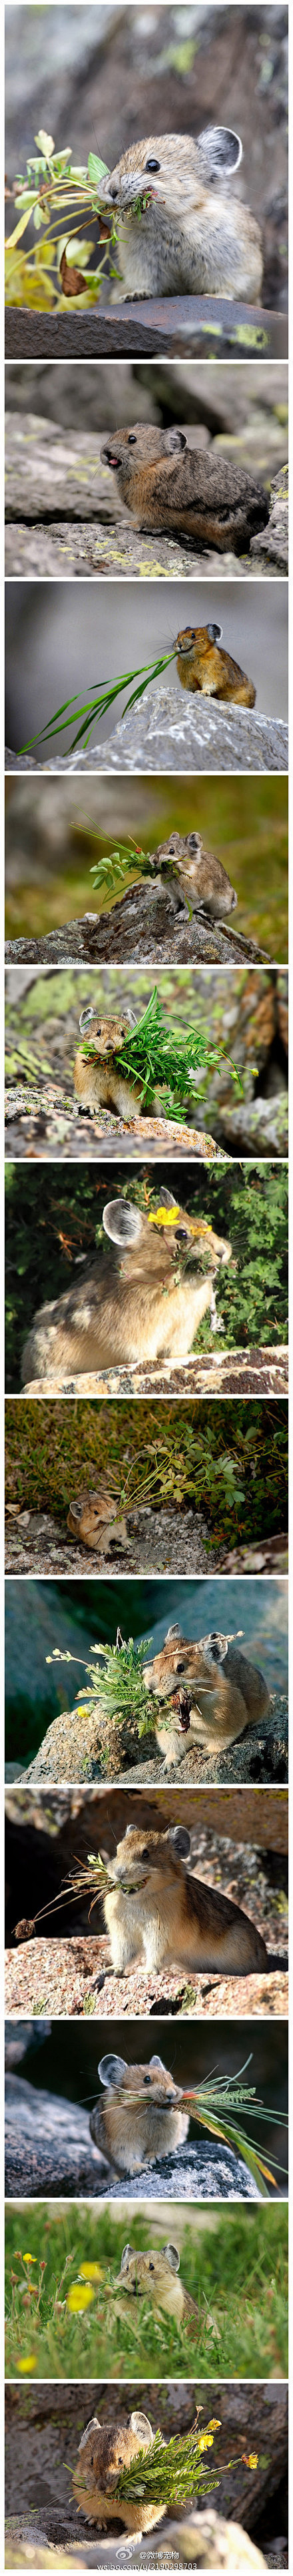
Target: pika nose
{"points": [[113, 192]]}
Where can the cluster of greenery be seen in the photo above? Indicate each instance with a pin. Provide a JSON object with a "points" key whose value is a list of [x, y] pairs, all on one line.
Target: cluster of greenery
{"points": [[62, 2269], [54, 194], [160, 1058], [46, 1230], [92, 709], [230, 1459], [118, 1696]]}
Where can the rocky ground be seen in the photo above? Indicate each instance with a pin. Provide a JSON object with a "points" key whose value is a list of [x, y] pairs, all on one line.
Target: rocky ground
{"points": [[42, 1122], [62, 1977], [142, 926], [162, 1542], [163, 735]]}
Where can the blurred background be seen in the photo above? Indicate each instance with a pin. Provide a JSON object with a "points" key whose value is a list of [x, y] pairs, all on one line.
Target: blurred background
{"points": [[64, 2060], [100, 76], [56, 829], [63, 643], [75, 1615]]}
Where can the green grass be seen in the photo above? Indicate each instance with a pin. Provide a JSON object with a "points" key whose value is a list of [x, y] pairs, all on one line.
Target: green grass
{"points": [[235, 2268]]}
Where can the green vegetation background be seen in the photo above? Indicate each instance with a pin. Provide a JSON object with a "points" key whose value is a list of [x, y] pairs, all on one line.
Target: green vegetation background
{"points": [[234, 2265]]}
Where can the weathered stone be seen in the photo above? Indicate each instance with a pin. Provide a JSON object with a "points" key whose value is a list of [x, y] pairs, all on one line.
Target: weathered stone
{"points": [[162, 733], [73, 1743], [271, 546], [143, 927]]}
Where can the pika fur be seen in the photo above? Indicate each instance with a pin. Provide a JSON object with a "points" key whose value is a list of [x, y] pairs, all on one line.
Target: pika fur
{"points": [[187, 491], [155, 1910], [91, 1520], [104, 2450], [201, 665], [134, 2132], [196, 877], [213, 1693], [154, 2276], [189, 238], [97, 1081], [134, 1305]]}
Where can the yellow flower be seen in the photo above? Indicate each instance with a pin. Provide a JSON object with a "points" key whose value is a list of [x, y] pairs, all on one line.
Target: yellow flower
{"points": [[79, 2297], [29, 2258], [90, 2272], [28, 2361]]}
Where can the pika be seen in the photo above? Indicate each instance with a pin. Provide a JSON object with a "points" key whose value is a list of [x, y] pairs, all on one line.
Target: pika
{"points": [[97, 1081], [212, 1691], [154, 1910], [104, 2450], [197, 879], [187, 491], [136, 1305], [154, 2276], [91, 1520], [178, 232], [134, 2132], [202, 666]]}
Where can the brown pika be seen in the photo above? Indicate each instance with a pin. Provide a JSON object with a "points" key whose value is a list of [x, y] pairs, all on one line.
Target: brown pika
{"points": [[138, 1303], [155, 2276], [188, 491], [179, 233], [202, 665], [104, 2450], [92, 1517], [138, 2117], [97, 1081], [158, 1911], [196, 877], [213, 1693]]}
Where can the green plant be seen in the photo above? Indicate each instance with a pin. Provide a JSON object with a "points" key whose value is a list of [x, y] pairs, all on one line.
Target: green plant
{"points": [[170, 2472], [54, 187], [93, 709], [236, 2270], [118, 1696], [229, 1458]]}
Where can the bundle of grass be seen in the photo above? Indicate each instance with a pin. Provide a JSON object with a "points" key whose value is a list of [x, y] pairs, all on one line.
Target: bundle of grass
{"points": [[174, 2472]]}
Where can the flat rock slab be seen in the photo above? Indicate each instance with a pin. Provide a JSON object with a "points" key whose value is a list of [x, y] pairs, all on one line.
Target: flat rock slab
{"points": [[73, 1745], [236, 1372], [162, 1542], [56, 484], [64, 552], [206, 326], [66, 1976], [48, 2148], [161, 733]]}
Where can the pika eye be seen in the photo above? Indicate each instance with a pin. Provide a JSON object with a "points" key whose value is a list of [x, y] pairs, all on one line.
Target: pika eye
{"points": [[147, 2079], [152, 165], [181, 1235], [151, 2267], [145, 1854], [132, 441]]}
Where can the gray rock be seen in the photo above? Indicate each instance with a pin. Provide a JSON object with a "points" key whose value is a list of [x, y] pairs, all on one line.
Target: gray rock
{"points": [[48, 2144], [271, 546], [162, 734], [49, 2149], [143, 927]]}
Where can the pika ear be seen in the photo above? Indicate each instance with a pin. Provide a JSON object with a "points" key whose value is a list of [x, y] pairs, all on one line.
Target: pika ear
{"points": [[127, 2250], [85, 1019], [158, 2061], [174, 1636], [131, 1016], [181, 1838], [175, 440], [93, 2427], [219, 150], [215, 633], [111, 2069], [172, 2257], [122, 1222], [140, 2425], [217, 1647], [195, 843]]}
